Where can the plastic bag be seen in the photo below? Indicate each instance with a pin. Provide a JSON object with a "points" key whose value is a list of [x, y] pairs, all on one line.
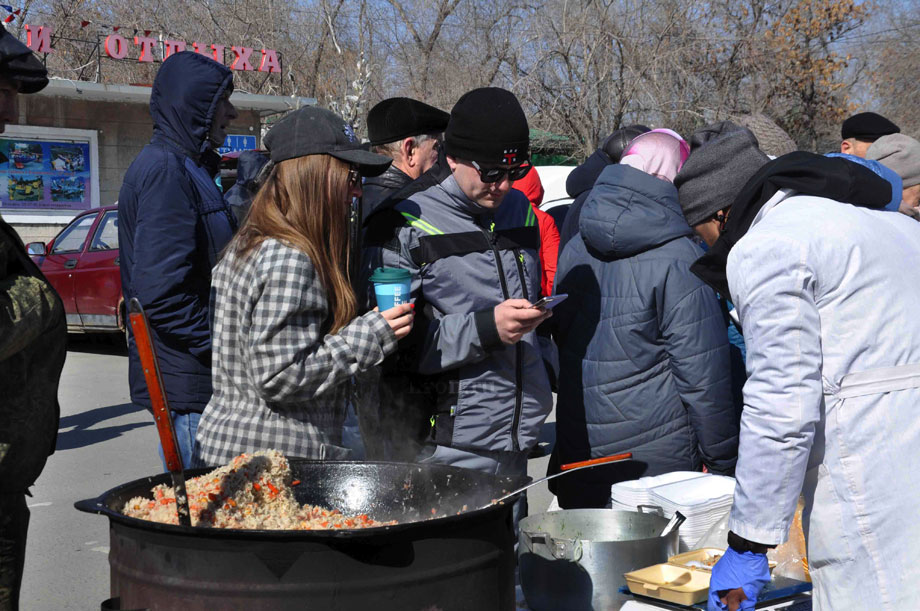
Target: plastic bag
{"points": [[790, 557]]}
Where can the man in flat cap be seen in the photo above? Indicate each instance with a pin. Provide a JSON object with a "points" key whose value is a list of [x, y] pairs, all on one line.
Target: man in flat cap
{"points": [[861, 130], [901, 153], [408, 132], [33, 344]]}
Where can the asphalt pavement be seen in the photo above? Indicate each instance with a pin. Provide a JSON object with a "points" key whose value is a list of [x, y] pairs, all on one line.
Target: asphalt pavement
{"points": [[104, 441]]}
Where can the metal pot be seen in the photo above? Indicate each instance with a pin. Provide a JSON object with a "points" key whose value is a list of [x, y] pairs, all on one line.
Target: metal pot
{"points": [[575, 559], [452, 560]]}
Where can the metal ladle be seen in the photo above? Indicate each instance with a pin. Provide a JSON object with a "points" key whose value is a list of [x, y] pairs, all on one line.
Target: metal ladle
{"points": [[564, 470]]}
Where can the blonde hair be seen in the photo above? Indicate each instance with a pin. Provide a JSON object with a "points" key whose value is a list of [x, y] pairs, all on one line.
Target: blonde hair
{"points": [[302, 203]]}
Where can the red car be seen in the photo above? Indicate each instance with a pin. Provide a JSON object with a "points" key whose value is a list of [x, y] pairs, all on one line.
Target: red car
{"points": [[81, 263]]}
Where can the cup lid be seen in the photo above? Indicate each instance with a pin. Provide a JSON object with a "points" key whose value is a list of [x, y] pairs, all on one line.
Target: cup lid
{"points": [[390, 275]]}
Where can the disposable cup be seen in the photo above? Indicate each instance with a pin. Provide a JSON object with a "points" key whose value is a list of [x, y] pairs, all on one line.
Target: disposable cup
{"points": [[391, 286]]}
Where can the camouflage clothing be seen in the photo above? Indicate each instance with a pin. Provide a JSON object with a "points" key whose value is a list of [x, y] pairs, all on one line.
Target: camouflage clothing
{"points": [[33, 338]]}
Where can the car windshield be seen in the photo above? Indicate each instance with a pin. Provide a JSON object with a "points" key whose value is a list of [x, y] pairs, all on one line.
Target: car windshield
{"points": [[106, 237], [74, 236]]}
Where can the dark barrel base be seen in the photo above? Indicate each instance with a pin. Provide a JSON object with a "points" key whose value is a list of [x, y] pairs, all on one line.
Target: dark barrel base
{"points": [[468, 566]]}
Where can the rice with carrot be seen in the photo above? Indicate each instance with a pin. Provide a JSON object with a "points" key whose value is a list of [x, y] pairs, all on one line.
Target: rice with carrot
{"points": [[254, 491]]}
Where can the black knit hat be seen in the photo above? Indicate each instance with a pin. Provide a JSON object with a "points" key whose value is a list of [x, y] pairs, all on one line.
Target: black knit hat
{"points": [[397, 118], [867, 126], [723, 157], [17, 62], [488, 125], [314, 131]]}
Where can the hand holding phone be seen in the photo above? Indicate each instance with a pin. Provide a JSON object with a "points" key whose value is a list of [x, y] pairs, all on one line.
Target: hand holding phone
{"points": [[550, 302]]}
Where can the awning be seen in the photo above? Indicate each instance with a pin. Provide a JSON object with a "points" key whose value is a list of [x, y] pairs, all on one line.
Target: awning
{"points": [[134, 94]]}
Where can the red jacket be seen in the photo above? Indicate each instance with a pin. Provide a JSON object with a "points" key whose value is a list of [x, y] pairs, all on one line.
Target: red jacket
{"points": [[531, 186]]}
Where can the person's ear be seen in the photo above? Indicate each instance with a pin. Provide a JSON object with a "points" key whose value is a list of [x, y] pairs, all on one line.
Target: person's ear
{"points": [[408, 147], [846, 147]]}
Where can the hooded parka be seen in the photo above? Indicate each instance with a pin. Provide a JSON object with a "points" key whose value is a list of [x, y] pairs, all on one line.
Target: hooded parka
{"points": [[173, 224], [642, 345]]}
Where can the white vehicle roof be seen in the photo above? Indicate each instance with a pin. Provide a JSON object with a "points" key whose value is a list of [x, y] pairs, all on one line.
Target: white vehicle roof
{"points": [[553, 178]]}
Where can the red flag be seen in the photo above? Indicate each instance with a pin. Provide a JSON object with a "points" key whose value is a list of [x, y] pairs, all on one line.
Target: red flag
{"points": [[115, 28], [84, 23], [9, 19], [17, 11]]}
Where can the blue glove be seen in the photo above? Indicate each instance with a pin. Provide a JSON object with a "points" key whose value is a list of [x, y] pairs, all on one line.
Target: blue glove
{"points": [[748, 571]]}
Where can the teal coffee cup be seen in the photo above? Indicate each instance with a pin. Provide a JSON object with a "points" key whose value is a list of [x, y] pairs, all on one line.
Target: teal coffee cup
{"points": [[391, 286]]}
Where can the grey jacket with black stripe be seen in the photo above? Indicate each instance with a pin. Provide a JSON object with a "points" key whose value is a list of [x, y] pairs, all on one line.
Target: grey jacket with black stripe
{"points": [[465, 260]]}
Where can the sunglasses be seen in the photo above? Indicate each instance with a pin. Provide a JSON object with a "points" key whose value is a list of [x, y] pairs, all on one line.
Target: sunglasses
{"points": [[489, 175]]}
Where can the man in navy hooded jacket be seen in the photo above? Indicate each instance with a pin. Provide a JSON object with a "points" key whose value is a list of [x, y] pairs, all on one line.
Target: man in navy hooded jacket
{"points": [[173, 224]]}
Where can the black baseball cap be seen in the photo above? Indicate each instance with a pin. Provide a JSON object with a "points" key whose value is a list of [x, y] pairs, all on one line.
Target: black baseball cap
{"points": [[317, 131], [18, 63]]}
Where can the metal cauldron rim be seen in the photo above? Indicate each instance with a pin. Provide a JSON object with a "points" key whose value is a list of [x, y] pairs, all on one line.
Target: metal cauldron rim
{"points": [[98, 505]]}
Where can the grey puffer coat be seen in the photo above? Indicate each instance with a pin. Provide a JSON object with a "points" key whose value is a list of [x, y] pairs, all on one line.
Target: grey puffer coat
{"points": [[644, 359]]}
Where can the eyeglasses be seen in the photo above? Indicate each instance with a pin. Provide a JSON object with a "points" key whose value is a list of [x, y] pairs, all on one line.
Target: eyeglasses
{"points": [[354, 177], [489, 175]]}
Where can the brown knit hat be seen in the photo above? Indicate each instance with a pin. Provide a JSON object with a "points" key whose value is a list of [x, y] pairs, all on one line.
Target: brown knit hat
{"points": [[773, 140]]}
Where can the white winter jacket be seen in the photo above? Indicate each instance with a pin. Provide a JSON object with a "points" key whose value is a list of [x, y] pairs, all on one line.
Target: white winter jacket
{"points": [[829, 299]]}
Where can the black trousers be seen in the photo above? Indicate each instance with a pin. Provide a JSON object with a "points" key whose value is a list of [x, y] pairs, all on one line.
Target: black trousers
{"points": [[14, 524]]}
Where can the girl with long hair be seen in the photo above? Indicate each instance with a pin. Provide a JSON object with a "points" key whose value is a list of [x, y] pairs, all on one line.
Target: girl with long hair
{"points": [[286, 338]]}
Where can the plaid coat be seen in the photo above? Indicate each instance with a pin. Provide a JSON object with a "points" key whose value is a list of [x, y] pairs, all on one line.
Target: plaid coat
{"points": [[279, 381]]}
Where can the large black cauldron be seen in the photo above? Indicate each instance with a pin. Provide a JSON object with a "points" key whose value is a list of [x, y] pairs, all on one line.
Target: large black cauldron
{"points": [[461, 558]]}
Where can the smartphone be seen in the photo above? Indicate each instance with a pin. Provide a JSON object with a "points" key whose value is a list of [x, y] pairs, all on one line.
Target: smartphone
{"points": [[550, 302]]}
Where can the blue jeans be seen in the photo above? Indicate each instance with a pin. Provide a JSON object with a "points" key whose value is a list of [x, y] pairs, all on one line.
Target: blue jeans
{"points": [[185, 425]]}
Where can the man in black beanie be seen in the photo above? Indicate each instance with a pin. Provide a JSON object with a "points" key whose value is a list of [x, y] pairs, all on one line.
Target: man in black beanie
{"points": [[470, 242], [33, 345], [861, 130], [408, 132]]}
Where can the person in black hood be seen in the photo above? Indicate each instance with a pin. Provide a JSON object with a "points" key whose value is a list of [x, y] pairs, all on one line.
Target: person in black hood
{"points": [[409, 132], [582, 178], [33, 346], [173, 225]]}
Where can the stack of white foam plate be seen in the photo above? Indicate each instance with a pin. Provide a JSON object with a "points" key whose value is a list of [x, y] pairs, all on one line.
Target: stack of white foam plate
{"points": [[702, 498], [630, 495]]}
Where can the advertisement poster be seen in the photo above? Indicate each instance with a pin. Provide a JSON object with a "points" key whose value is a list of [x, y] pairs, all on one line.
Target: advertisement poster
{"points": [[43, 175]]}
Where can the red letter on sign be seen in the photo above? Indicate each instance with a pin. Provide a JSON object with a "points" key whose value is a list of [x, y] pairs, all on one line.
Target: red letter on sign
{"points": [[41, 41], [173, 46], [241, 59], [116, 46], [269, 61], [218, 53], [146, 45], [202, 49]]}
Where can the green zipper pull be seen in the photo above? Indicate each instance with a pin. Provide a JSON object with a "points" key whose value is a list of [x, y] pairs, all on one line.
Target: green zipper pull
{"points": [[521, 257], [492, 227]]}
